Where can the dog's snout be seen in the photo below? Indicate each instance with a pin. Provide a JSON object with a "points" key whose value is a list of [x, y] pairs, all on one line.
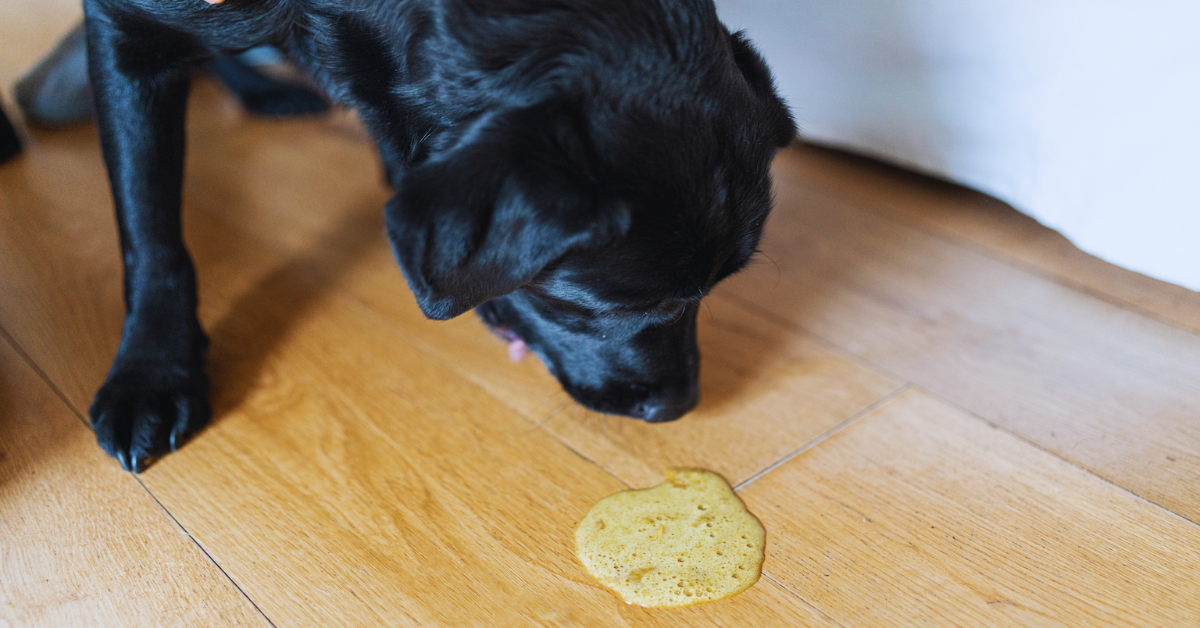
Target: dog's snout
{"points": [[666, 408]]}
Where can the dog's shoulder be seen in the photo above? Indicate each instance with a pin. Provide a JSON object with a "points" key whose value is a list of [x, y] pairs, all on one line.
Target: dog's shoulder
{"points": [[227, 26]]}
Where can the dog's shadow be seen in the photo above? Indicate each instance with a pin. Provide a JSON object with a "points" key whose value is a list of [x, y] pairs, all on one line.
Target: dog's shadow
{"points": [[261, 318], [739, 349], [756, 337]]}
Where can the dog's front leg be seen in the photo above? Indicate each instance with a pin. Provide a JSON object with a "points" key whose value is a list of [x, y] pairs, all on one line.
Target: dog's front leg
{"points": [[156, 393]]}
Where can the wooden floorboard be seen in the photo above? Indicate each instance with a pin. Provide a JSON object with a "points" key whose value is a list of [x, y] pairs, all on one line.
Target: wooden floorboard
{"points": [[81, 545], [922, 514], [989, 226], [1110, 389], [60, 289], [369, 467]]}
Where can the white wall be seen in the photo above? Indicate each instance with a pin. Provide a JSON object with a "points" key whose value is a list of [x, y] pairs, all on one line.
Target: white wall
{"points": [[1084, 114]]}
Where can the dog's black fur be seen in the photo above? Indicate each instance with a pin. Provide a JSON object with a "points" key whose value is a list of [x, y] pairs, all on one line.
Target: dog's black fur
{"points": [[582, 171], [10, 144]]}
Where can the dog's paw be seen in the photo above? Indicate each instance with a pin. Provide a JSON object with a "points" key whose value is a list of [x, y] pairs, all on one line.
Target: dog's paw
{"points": [[143, 412]]}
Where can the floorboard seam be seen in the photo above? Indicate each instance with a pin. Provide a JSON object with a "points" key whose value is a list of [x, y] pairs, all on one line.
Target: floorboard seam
{"points": [[826, 435], [1035, 445], [884, 371], [205, 551], [581, 455], [83, 419], [12, 342], [796, 595]]}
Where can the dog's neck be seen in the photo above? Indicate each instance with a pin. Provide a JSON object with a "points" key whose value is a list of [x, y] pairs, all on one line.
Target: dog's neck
{"points": [[418, 70]]}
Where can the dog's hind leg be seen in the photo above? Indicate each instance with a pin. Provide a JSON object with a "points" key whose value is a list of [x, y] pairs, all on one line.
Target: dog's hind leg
{"points": [[56, 93], [156, 393], [264, 95]]}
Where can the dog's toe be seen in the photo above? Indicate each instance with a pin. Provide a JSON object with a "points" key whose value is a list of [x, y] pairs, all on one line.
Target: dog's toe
{"points": [[141, 414]]}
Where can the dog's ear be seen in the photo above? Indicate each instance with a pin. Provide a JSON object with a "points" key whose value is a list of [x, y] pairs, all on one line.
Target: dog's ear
{"points": [[754, 68], [484, 217]]}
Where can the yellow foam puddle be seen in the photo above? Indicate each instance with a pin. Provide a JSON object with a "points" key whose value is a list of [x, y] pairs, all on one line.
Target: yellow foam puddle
{"points": [[686, 541]]}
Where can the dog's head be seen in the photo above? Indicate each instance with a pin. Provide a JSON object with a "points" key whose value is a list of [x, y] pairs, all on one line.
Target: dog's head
{"points": [[590, 226]]}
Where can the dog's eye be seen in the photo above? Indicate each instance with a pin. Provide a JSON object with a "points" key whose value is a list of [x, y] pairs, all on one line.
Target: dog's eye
{"points": [[676, 308], [668, 309], [663, 312]]}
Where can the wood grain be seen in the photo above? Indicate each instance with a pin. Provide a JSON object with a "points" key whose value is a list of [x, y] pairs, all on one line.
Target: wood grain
{"points": [[60, 289], [988, 225], [921, 514], [82, 545], [1114, 391]]}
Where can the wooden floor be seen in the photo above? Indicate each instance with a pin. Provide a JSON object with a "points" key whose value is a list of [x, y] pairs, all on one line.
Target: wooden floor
{"points": [[942, 412]]}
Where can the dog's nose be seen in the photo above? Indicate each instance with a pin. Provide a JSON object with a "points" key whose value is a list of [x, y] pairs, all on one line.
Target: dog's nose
{"points": [[664, 409]]}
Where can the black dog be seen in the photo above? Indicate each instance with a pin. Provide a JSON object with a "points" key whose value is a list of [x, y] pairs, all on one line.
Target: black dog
{"points": [[582, 171]]}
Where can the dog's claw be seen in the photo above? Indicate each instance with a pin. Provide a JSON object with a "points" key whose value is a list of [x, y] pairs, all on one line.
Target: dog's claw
{"points": [[138, 415]]}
